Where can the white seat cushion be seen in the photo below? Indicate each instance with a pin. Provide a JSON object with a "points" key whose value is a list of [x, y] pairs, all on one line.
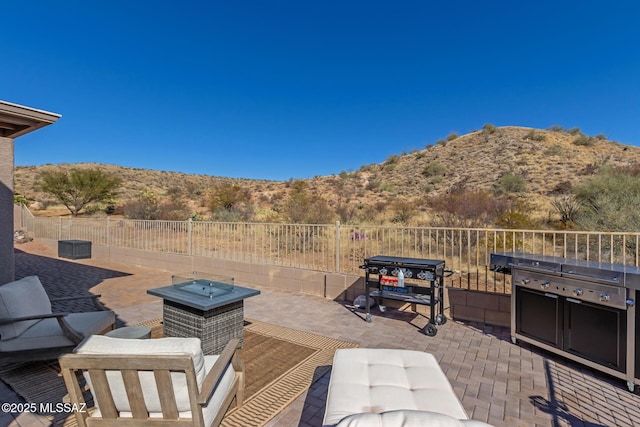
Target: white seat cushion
{"points": [[381, 380], [210, 411], [100, 344]]}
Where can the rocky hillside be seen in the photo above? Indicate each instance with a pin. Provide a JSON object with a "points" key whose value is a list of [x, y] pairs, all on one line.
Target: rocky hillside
{"points": [[549, 162]]}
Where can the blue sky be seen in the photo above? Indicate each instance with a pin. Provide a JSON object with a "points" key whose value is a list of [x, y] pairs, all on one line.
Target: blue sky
{"points": [[295, 89]]}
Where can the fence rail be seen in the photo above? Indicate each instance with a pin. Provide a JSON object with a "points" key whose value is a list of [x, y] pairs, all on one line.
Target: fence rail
{"points": [[337, 247]]}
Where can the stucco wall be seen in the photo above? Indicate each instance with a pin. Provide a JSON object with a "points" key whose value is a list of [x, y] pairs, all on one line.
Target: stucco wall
{"points": [[477, 306], [459, 304], [328, 285], [7, 264]]}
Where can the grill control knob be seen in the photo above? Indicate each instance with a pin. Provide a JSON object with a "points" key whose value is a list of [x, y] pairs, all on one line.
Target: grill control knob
{"points": [[408, 273], [604, 297], [525, 281], [383, 271], [578, 292], [544, 285]]}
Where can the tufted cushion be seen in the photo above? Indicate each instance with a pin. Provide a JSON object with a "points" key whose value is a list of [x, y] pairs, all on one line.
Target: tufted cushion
{"points": [[405, 418], [24, 297], [380, 380], [98, 344]]}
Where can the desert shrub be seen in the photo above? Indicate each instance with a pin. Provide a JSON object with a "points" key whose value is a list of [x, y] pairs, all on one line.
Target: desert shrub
{"points": [[563, 187], [392, 159], [610, 201], [433, 168], [441, 142], [19, 199], [174, 191], [590, 169], [466, 209], [173, 210], [388, 187], [230, 215], [556, 128], [510, 183], [228, 196], [373, 184], [584, 141], [574, 131], [145, 206], [567, 207], [346, 212], [452, 136], [517, 217], [489, 128], [302, 207], [402, 210], [554, 150], [601, 137], [535, 136]]}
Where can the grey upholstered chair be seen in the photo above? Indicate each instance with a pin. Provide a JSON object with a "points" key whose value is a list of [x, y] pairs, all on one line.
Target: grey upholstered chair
{"points": [[29, 330]]}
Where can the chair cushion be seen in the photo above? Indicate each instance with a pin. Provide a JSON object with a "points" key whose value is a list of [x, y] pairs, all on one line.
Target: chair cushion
{"points": [[47, 333], [406, 418], [98, 344], [24, 297], [380, 380], [210, 411]]}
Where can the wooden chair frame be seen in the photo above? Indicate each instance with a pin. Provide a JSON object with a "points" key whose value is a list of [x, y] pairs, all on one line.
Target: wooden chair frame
{"points": [[162, 366]]}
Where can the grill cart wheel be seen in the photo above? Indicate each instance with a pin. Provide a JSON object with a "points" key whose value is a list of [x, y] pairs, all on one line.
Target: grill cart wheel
{"points": [[441, 319], [431, 330]]}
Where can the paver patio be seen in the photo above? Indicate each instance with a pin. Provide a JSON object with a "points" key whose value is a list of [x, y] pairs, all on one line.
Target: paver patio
{"points": [[497, 382]]}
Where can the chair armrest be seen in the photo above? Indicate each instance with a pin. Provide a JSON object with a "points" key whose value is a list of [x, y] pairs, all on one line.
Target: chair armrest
{"points": [[33, 317], [217, 371], [66, 329], [94, 299]]}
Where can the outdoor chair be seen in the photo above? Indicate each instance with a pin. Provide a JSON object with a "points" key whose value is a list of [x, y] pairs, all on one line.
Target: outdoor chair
{"points": [[30, 331], [154, 382]]}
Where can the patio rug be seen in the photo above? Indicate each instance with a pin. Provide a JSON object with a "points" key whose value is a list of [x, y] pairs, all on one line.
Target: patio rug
{"points": [[280, 365]]}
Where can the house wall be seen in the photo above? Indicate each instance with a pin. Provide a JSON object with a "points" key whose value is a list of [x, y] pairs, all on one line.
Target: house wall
{"points": [[7, 259]]}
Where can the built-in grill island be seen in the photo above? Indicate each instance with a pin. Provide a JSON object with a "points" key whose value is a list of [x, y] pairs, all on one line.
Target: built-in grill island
{"points": [[582, 310]]}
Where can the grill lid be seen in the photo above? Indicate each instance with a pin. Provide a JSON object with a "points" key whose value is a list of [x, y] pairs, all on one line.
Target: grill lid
{"points": [[593, 271]]}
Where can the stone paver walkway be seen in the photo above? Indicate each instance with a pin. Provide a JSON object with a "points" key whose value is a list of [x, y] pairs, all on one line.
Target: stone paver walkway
{"points": [[497, 382]]}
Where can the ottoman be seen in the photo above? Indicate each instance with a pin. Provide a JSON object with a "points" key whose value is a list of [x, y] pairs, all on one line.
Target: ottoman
{"points": [[391, 387]]}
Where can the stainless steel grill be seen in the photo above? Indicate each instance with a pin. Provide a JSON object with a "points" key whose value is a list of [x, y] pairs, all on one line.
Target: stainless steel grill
{"points": [[583, 310]]}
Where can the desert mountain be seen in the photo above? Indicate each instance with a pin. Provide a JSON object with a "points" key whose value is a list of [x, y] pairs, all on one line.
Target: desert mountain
{"points": [[549, 162]]}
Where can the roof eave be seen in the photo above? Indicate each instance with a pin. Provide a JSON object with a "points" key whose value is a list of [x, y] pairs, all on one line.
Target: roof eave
{"points": [[18, 120]]}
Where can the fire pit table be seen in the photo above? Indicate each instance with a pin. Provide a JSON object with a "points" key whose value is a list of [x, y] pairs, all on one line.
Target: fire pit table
{"points": [[205, 306]]}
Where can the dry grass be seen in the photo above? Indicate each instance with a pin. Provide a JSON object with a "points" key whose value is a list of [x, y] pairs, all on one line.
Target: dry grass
{"points": [[476, 161]]}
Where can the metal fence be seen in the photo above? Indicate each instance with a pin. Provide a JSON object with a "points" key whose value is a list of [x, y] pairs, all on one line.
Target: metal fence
{"points": [[341, 248]]}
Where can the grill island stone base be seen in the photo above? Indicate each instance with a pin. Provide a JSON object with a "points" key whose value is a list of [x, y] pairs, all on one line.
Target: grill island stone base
{"points": [[215, 327]]}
